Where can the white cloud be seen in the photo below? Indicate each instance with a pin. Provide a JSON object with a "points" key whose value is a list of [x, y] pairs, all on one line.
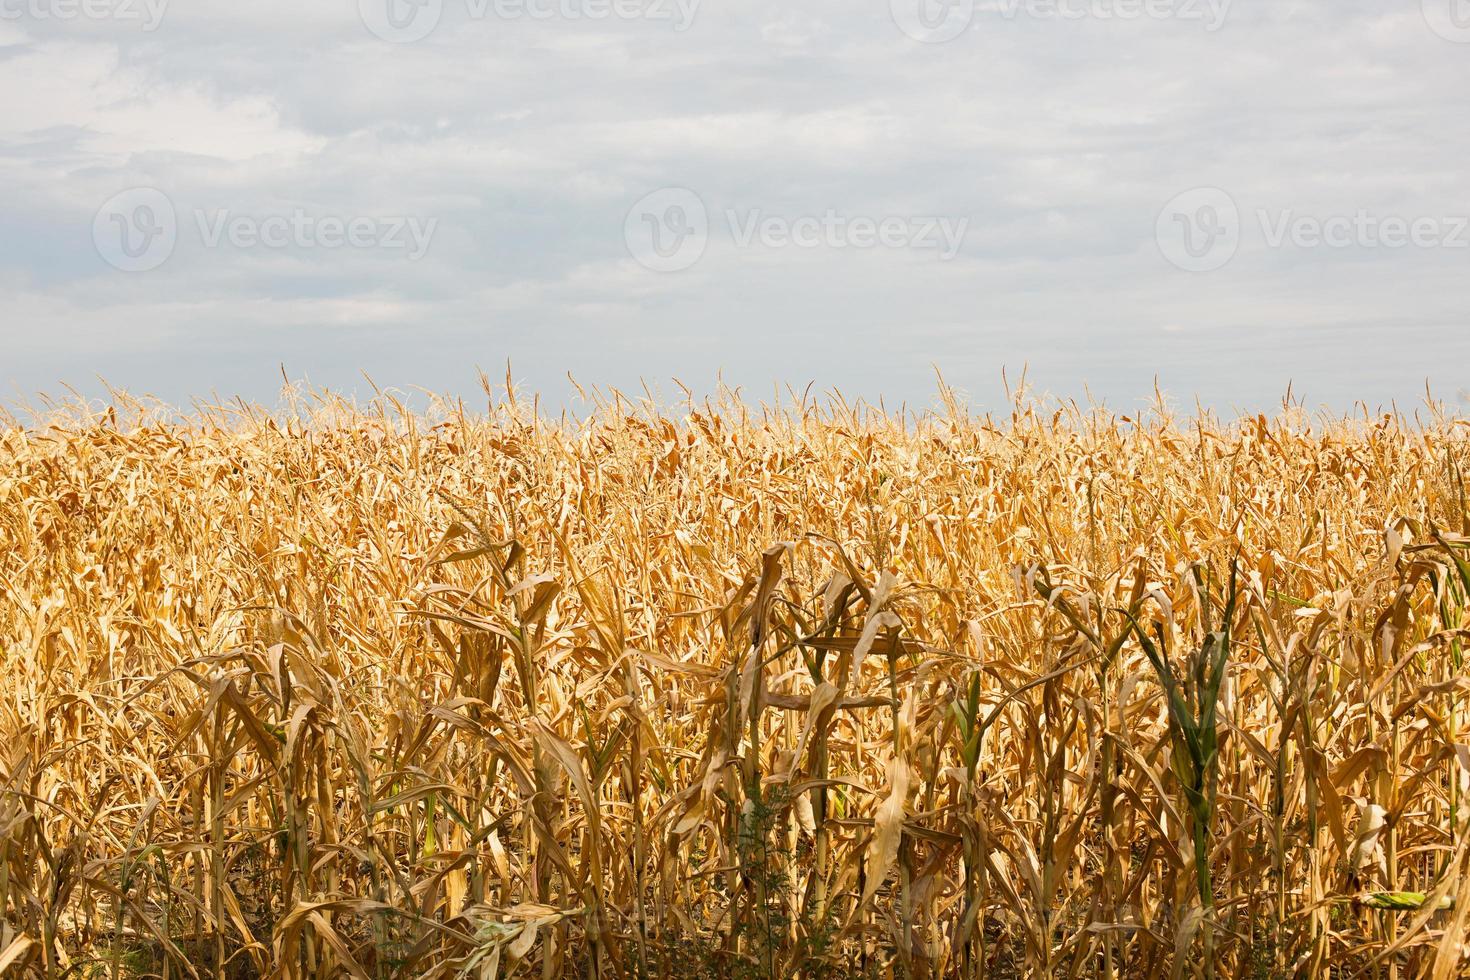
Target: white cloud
{"points": [[529, 141], [119, 110]]}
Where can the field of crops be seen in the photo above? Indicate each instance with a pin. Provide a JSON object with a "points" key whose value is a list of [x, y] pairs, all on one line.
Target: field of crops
{"points": [[722, 690]]}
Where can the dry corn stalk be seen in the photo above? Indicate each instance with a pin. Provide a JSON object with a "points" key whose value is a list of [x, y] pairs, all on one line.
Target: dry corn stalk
{"points": [[788, 691]]}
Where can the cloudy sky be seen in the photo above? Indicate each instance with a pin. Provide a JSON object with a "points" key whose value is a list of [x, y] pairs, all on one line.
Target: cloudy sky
{"points": [[1228, 196]]}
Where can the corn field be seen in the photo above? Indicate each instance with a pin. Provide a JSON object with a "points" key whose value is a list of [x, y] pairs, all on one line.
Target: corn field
{"points": [[799, 690]]}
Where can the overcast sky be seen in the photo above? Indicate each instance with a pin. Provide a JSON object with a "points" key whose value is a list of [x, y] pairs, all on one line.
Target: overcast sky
{"points": [[1229, 196]]}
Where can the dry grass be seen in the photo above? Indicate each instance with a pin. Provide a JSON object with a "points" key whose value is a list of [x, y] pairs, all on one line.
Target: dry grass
{"points": [[722, 692]]}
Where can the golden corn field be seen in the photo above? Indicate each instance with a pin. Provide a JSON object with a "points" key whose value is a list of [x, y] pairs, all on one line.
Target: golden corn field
{"points": [[719, 690]]}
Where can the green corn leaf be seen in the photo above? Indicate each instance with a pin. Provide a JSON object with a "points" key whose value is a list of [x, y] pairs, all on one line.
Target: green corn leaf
{"points": [[1400, 901]]}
